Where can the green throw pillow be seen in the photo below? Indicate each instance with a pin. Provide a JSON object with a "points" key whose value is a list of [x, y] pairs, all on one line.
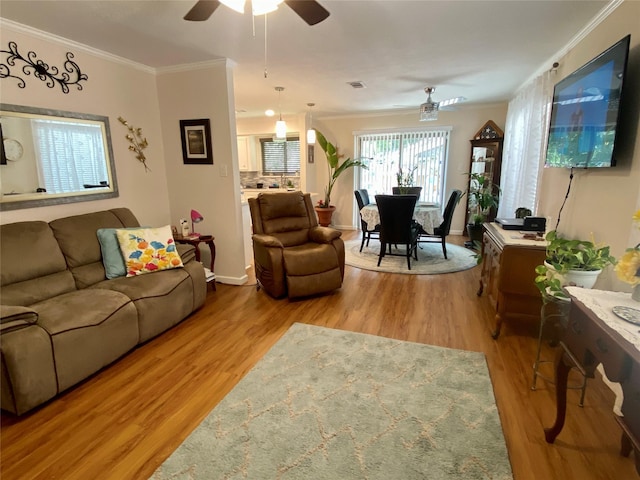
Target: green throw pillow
{"points": [[111, 255]]}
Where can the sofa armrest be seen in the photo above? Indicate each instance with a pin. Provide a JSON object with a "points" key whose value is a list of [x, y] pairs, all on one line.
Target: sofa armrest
{"points": [[15, 317], [187, 252], [267, 241], [324, 234]]}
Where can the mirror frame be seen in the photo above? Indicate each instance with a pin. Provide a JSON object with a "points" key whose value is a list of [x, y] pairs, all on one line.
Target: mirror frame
{"points": [[36, 200]]}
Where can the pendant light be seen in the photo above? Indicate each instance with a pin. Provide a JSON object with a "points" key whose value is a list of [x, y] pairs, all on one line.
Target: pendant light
{"points": [[311, 133], [281, 126]]}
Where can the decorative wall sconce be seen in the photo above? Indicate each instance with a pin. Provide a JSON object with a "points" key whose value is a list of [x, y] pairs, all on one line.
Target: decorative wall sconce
{"points": [[51, 75], [138, 142]]}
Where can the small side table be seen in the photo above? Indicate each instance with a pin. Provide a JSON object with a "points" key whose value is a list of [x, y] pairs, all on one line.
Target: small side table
{"points": [[208, 240]]}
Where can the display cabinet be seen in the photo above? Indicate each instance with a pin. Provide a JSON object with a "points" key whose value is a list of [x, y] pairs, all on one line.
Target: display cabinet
{"points": [[486, 160]]}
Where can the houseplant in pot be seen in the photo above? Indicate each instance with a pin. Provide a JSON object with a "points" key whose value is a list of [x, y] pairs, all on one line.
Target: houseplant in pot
{"points": [[484, 195], [571, 262], [324, 209]]}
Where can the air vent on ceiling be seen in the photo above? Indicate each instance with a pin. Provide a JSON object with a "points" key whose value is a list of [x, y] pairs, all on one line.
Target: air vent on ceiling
{"points": [[357, 84]]}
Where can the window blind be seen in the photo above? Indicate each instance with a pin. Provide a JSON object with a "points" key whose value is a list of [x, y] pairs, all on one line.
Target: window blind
{"points": [[280, 157], [423, 152]]}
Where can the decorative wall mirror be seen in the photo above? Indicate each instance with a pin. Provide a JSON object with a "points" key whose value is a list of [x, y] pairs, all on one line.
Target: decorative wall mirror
{"points": [[54, 157]]}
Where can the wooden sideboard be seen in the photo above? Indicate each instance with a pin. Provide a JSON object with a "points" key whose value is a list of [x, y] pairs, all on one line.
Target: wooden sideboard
{"points": [[595, 335], [508, 273]]}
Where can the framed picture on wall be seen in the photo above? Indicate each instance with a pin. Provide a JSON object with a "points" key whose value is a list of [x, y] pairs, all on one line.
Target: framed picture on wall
{"points": [[196, 141]]}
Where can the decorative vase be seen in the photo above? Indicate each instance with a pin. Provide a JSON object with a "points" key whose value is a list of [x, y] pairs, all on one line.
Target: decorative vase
{"points": [[324, 215], [635, 295]]}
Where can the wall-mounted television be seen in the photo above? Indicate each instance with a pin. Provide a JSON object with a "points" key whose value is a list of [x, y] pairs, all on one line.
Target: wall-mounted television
{"points": [[585, 112]]}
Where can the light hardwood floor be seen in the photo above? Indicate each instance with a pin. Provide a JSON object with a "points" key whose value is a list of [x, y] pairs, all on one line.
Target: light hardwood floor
{"points": [[124, 421]]}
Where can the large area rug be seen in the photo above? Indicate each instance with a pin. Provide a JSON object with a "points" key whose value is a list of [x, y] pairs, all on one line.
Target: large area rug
{"points": [[334, 405], [430, 259]]}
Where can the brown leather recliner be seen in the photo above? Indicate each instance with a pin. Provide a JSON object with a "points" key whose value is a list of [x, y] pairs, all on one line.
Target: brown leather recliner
{"points": [[293, 255]]}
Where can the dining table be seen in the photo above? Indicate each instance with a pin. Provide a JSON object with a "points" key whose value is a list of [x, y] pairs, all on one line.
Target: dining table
{"points": [[429, 215]]}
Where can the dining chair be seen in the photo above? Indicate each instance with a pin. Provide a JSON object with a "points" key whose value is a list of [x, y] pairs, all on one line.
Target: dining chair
{"points": [[417, 191], [362, 197], [440, 232], [397, 226]]}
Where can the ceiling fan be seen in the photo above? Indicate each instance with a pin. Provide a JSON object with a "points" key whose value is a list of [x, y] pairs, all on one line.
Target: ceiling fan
{"points": [[429, 109], [309, 10]]}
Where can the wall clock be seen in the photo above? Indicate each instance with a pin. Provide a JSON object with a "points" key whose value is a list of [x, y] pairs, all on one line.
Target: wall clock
{"points": [[13, 149]]}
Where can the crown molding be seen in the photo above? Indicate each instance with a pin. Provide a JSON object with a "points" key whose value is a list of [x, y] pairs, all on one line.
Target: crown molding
{"points": [[188, 67], [586, 30], [49, 37]]}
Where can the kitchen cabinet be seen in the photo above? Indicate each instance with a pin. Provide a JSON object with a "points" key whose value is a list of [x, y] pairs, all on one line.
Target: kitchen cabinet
{"points": [[247, 158], [508, 273]]}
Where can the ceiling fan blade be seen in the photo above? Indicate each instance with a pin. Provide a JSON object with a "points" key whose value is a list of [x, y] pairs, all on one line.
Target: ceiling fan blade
{"points": [[309, 10], [202, 10]]}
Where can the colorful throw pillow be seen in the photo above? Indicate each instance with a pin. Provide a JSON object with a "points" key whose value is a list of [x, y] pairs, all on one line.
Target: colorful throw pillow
{"points": [[147, 250], [111, 255]]}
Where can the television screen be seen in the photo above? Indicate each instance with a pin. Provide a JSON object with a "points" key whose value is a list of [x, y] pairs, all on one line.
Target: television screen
{"points": [[585, 112]]}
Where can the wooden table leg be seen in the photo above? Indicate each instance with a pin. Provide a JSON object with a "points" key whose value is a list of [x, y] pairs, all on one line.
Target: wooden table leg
{"points": [[562, 366], [212, 247]]}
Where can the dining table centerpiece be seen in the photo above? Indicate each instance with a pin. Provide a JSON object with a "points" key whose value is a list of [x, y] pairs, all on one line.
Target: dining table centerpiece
{"points": [[324, 209], [628, 267]]}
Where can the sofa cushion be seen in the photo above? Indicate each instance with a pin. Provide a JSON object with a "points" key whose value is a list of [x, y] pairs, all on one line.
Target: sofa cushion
{"points": [[79, 243], [33, 265], [89, 329], [162, 299], [148, 250]]}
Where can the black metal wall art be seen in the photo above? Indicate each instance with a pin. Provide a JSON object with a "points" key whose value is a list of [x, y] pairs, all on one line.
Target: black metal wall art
{"points": [[51, 75]]}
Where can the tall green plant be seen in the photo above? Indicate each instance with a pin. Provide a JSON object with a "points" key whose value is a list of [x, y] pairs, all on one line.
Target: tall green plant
{"points": [[483, 196], [335, 167]]}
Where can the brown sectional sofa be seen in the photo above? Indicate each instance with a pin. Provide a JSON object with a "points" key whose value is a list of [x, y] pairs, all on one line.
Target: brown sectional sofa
{"points": [[62, 320]]}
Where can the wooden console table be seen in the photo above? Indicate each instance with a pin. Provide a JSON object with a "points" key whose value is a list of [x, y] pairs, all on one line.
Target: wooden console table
{"points": [[206, 239], [595, 335], [508, 273]]}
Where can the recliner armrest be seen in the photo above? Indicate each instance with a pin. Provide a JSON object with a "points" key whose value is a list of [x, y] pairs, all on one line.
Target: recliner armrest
{"points": [[14, 317], [324, 234], [267, 240]]}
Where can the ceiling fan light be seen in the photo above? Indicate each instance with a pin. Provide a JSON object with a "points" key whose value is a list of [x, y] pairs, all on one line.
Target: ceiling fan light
{"points": [[237, 5], [281, 129], [261, 7], [428, 111]]}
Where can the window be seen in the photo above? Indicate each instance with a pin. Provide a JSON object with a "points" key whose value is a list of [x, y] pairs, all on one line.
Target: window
{"points": [[280, 157], [62, 169], [423, 152]]}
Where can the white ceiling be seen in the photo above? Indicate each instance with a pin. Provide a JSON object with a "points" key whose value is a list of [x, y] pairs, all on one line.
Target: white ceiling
{"points": [[482, 50]]}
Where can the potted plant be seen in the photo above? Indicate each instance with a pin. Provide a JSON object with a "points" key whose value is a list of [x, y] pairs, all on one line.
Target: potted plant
{"points": [[325, 209], [405, 180], [484, 195], [571, 262]]}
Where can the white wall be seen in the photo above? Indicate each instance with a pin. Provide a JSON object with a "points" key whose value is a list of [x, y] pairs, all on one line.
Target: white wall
{"points": [[114, 88], [212, 190], [602, 201]]}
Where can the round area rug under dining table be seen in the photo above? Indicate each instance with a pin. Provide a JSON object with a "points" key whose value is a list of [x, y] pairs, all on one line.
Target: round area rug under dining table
{"points": [[430, 261]]}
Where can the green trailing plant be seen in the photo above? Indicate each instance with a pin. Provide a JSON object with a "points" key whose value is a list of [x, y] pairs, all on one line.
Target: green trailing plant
{"points": [[569, 254], [483, 196], [335, 167]]}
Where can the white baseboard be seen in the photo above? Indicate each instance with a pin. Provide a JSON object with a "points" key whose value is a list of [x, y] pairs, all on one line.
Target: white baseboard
{"points": [[232, 280]]}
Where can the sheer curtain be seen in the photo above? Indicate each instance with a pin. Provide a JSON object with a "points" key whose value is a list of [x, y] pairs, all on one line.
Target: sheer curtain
{"points": [[524, 144]]}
